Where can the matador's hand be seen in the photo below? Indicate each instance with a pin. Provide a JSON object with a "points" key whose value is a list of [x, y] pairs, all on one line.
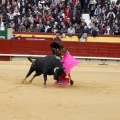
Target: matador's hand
{"points": [[67, 76]]}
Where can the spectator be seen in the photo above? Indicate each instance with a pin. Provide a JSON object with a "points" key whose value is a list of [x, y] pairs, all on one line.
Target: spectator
{"points": [[78, 29], [79, 35], [91, 3], [11, 24], [67, 12], [16, 11], [113, 27], [63, 31], [55, 14], [68, 23], [21, 28], [84, 37], [118, 16], [103, 28], [41, 27], [48, 27], [24, 17], [71, 31], [14, 37], [31, 19], [111, 14], [83, 23], [31, 28], [10, 16], [74, 21], [84, 5], [94, 31], [26, 23], [36, 19], [62, 13], [48, 16], [77, 6], [98, 10], [90, 25], [52, 22], [92, 11], [86, 30], [116, 31], [54, 28], [57, 39]]}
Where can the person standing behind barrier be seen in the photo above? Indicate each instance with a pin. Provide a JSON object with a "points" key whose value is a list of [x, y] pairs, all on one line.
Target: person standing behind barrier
{"points": [[57, 38], [14, 37]]}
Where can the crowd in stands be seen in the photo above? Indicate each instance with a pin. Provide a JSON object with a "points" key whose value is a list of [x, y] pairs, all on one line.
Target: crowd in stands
{"points": [[62, 16]]}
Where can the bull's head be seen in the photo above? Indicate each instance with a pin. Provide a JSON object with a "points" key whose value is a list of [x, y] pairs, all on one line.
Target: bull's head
{"points": [[57, 72]]}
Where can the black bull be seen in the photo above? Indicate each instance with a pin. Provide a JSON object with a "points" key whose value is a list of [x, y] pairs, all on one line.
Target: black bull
{"points": [[47, 65]]}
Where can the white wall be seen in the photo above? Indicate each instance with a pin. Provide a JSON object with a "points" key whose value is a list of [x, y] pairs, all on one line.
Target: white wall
{"points": [[9, 34]]}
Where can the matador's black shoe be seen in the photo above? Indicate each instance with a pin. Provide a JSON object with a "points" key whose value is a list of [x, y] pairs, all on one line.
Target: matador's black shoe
{"points": [[71, 82]]}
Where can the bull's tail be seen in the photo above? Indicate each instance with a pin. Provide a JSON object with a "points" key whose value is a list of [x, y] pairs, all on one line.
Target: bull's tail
{"points": [[30, 59]]}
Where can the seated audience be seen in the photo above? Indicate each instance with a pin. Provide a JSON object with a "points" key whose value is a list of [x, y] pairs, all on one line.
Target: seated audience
{"points": [[51, 12], [63, 31], [71, 31], [116, 31], [86, 30]]}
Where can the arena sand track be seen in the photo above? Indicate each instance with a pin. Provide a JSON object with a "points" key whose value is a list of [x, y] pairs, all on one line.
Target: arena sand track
{"points": [[94, 96]]}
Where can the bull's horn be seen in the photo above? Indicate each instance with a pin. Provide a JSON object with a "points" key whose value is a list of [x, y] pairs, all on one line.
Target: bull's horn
{"points": [[56, 69]]}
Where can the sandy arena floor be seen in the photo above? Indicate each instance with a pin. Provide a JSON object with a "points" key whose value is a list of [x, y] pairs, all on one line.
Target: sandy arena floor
{"points": [[94, 96]]}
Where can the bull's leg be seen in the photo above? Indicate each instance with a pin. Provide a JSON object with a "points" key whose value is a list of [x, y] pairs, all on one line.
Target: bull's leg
{"points": [[36, 74], [33, 78], [45, 79], [28, 74], [59, 82]]}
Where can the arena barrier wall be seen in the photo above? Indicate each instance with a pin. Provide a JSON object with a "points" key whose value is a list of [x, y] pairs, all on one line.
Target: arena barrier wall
{"points": [[88, 50]]}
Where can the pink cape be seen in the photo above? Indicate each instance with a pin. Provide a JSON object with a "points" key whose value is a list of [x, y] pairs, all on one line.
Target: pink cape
{"points": [[68, 63]]}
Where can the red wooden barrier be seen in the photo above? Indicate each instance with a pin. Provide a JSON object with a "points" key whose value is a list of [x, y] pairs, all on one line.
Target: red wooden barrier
{"points": [[85, 49], [5, 58]]}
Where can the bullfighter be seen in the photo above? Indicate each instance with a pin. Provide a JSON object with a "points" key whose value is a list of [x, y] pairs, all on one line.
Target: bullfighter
{"points": [[67, 60]]}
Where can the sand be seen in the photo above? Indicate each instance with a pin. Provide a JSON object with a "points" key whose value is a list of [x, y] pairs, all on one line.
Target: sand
{"points": [[94, 96]]}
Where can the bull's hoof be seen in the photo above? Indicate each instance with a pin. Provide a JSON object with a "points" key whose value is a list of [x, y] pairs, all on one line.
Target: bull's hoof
{"points": [[71, 82], [59, 82], [30, 81], [44, 85], [23, 81]]}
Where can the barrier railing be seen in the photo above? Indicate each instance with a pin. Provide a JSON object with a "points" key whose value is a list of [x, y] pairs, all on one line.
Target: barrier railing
{"points": [[50, 36]]}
